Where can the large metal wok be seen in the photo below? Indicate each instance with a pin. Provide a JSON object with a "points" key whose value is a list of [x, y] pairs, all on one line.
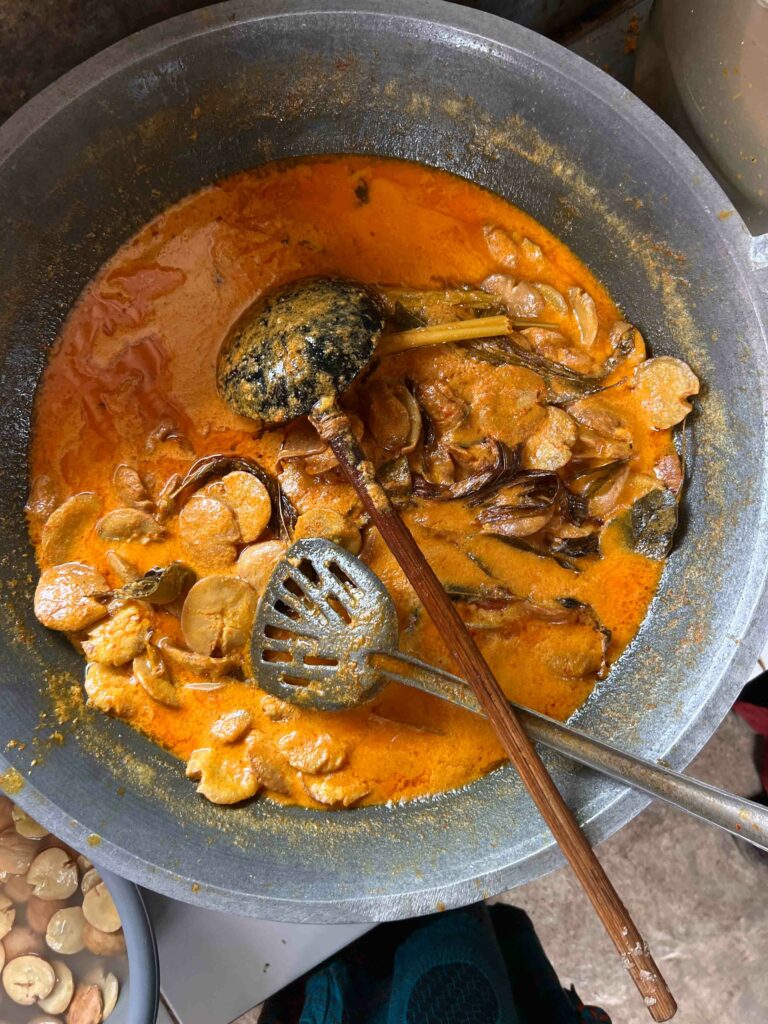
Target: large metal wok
{"points": [[173, 108]]}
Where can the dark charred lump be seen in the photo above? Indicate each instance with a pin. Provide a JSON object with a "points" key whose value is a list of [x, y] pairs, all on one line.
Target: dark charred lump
{"points": [[296, 345]]}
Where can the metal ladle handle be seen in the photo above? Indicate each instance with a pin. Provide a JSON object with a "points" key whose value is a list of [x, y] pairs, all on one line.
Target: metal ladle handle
{"points": [[734, 814]]}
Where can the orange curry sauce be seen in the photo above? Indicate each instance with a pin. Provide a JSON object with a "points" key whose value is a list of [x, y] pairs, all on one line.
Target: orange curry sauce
{"points": [[140, 350]]}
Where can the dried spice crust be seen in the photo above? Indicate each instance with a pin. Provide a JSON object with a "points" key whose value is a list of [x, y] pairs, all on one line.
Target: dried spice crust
{"points": [[274, 365]]}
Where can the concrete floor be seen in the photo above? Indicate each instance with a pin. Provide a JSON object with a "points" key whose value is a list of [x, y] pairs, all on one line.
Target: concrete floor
{"points": [[699, 903]]}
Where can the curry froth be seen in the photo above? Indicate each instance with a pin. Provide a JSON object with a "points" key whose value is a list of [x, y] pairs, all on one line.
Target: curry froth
{"points": [[517, 462]]}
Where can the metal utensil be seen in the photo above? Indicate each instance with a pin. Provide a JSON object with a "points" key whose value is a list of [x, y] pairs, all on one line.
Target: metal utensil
{"points": [[326, 637], [292, 352]]}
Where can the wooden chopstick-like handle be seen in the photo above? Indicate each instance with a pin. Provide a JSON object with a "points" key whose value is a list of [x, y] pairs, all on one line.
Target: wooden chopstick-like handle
{"points": [[333, 426]]}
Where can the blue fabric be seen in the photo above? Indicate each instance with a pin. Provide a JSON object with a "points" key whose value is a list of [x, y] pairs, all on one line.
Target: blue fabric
{"points": [[325, 995], [451, 971], [474, 966]]}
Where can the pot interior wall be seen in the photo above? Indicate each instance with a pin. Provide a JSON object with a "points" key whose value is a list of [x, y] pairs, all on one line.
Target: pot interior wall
{"points": [[219, 91]]}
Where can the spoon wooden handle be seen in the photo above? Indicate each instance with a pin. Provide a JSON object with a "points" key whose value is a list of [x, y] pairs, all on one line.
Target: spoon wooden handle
{"points": [[333, 426]]}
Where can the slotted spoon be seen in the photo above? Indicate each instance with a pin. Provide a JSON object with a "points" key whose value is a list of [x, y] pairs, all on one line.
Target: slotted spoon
{"points": [[326, 637]]}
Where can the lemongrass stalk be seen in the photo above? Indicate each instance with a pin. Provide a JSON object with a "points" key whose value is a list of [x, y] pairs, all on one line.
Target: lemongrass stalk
{"points": [[456, 330]]}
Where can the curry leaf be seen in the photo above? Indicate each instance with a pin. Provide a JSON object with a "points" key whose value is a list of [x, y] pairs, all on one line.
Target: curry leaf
{"points": [[403, 319], [532, 549], [482, 597], [503, 466], [651, 523], [564, 385], [395, 477], [576, 547], [160, 585], [284, 515], [561, 611]]}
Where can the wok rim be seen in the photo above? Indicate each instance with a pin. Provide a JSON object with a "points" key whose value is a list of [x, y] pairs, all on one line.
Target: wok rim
{"points": [[626, 803]]}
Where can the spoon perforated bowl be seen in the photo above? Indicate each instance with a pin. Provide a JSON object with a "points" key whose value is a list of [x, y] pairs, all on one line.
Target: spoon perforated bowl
{"points": [[321, 616], [326, 637]]}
